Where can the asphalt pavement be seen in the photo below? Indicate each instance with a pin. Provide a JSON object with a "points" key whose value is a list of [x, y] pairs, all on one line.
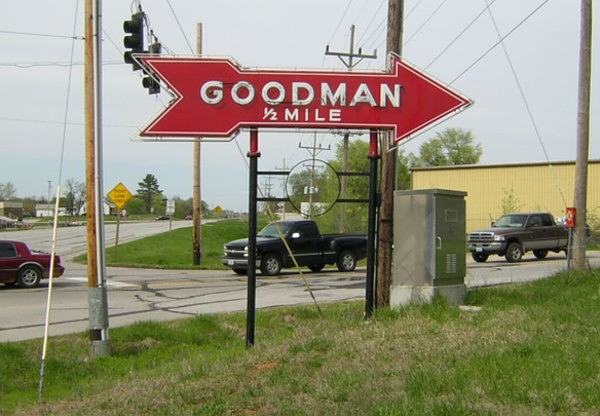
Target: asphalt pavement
{"points": [[150, 294]]}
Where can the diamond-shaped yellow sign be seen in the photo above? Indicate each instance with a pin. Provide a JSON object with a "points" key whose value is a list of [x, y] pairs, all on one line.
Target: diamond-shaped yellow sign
{"points": [[218, 210], [120, 195]]}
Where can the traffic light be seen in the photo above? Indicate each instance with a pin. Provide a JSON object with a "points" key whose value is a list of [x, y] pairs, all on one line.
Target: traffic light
{"points": [[149, 82], [135, 40]]}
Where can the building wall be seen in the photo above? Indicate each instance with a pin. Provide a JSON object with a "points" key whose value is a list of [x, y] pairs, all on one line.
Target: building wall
{"points": [[11, 209], [536, 187]]}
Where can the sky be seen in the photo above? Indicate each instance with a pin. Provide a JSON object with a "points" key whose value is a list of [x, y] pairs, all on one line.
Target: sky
{"points": [[288, 34]]}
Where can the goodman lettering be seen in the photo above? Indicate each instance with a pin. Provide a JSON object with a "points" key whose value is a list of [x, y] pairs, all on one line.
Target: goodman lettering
{"points": [[303, 94]]}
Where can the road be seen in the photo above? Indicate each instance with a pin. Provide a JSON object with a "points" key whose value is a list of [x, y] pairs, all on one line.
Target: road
{"points": [[148, 294], [71, 241]]}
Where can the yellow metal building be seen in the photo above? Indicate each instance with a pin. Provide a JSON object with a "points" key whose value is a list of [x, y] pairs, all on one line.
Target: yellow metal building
{"points": [[530, 187]]}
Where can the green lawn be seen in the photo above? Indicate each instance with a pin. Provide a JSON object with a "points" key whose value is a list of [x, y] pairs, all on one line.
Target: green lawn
{"points": [[533, 349], [173, 249]]}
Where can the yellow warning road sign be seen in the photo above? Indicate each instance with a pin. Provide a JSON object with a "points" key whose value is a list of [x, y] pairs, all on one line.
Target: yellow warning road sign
{"points": [[120, 195]]}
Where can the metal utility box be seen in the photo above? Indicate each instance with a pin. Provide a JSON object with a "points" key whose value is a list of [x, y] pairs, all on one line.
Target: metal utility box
{"points": [[429, 246]]}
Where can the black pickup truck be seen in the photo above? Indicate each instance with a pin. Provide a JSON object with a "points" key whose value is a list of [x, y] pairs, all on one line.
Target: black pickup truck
{"points": [[514, 234], [309, 247]]}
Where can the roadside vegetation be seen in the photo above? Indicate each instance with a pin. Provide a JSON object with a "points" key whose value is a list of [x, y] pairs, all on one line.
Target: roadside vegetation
{"points": [[532, 349], [173, 249]]}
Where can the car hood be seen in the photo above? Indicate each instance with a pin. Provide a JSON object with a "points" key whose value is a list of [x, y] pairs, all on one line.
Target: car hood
{"points": [[498, 230], [243, 242]]}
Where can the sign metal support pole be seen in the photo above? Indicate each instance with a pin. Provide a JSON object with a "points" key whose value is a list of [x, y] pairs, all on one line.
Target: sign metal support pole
{"points": [[371, 233], [253, 154]]}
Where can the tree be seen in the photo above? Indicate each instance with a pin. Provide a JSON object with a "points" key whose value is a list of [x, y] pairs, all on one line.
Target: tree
{"points": [[7, 191], [510, 202], [74, 195], [148, 191], [453, 146]]}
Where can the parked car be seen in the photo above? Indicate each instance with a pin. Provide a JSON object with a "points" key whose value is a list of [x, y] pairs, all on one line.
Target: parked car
{"points": [[514, 234], [309, 247], [20, 265], [162, 218]]}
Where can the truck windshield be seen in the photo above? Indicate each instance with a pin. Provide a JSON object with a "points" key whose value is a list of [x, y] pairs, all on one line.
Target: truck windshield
{"points": [[511, 221], [271, 229]]}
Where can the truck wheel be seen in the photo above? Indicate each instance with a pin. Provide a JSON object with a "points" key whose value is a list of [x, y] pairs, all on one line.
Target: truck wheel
{"points": [[540, 254], [480, 257], [346, 261], [270, 264], [316, 267], [514, 252], [241, 272], [29, 276]]}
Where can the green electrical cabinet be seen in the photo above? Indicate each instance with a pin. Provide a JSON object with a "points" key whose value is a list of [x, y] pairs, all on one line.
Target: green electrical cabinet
{"points": [[429, 246]]}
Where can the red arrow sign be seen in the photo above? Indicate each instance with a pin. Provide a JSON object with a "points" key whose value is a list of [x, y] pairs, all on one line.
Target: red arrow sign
{"points": [[215, 98]]}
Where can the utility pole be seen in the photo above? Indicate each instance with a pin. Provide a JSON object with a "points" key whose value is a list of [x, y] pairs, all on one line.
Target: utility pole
{"points": [[583, 135], [314, 151], [388, 174], [49, 191], [283, 168], [267, 186], [350, 64], [97, 298], [196, 196]]}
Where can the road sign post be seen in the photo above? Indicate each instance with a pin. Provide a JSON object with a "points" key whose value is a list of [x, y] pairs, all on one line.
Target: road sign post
{"points": [[120, 196]]}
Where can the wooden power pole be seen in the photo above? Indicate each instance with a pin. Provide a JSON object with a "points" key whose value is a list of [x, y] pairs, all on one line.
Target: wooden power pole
{"points": [[350, 64], [388, 174], [196, 197], [97, 299], [583, 135]]}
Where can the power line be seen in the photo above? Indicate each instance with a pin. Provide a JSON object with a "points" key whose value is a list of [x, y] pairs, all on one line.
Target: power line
{"points": [[45, 35], [413, 9], [341, 20], [40, 121], [524, 98], [112, 42], [498, 42], [462, 32], [425, 22], [180, 27], [371, 21], [64, 64]]}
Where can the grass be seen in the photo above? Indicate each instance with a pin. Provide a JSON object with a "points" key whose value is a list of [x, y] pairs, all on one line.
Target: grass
{"points": [[173, 249], [532, 349]]}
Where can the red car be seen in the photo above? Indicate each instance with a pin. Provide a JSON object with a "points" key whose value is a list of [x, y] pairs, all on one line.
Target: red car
{"points": [[23, 266]]}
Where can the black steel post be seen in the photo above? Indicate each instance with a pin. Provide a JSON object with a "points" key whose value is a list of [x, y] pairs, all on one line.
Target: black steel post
{"points": [[253, 154], [372, 233]]}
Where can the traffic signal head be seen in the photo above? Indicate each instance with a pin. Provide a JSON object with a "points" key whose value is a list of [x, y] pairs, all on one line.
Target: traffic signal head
{"points": [[152, 85], [135, 40], [147, 81]]}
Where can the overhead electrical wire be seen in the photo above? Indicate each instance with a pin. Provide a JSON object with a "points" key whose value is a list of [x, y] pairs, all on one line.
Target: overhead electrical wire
{"points": [[64, 64], [45, 35], [71, 123], [525, 101], [366, 29], [435, 11], [180, 27], [462, 32], [340, 21], [380, 29], [491, 48]]}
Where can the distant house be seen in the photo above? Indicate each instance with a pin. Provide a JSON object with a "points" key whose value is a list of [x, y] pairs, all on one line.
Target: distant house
{"points": [[11, 209], [108, 208], [47, 210]]}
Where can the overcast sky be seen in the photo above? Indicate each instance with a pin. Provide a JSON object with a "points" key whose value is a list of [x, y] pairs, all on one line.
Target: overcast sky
{"points": [[278, 34]]}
